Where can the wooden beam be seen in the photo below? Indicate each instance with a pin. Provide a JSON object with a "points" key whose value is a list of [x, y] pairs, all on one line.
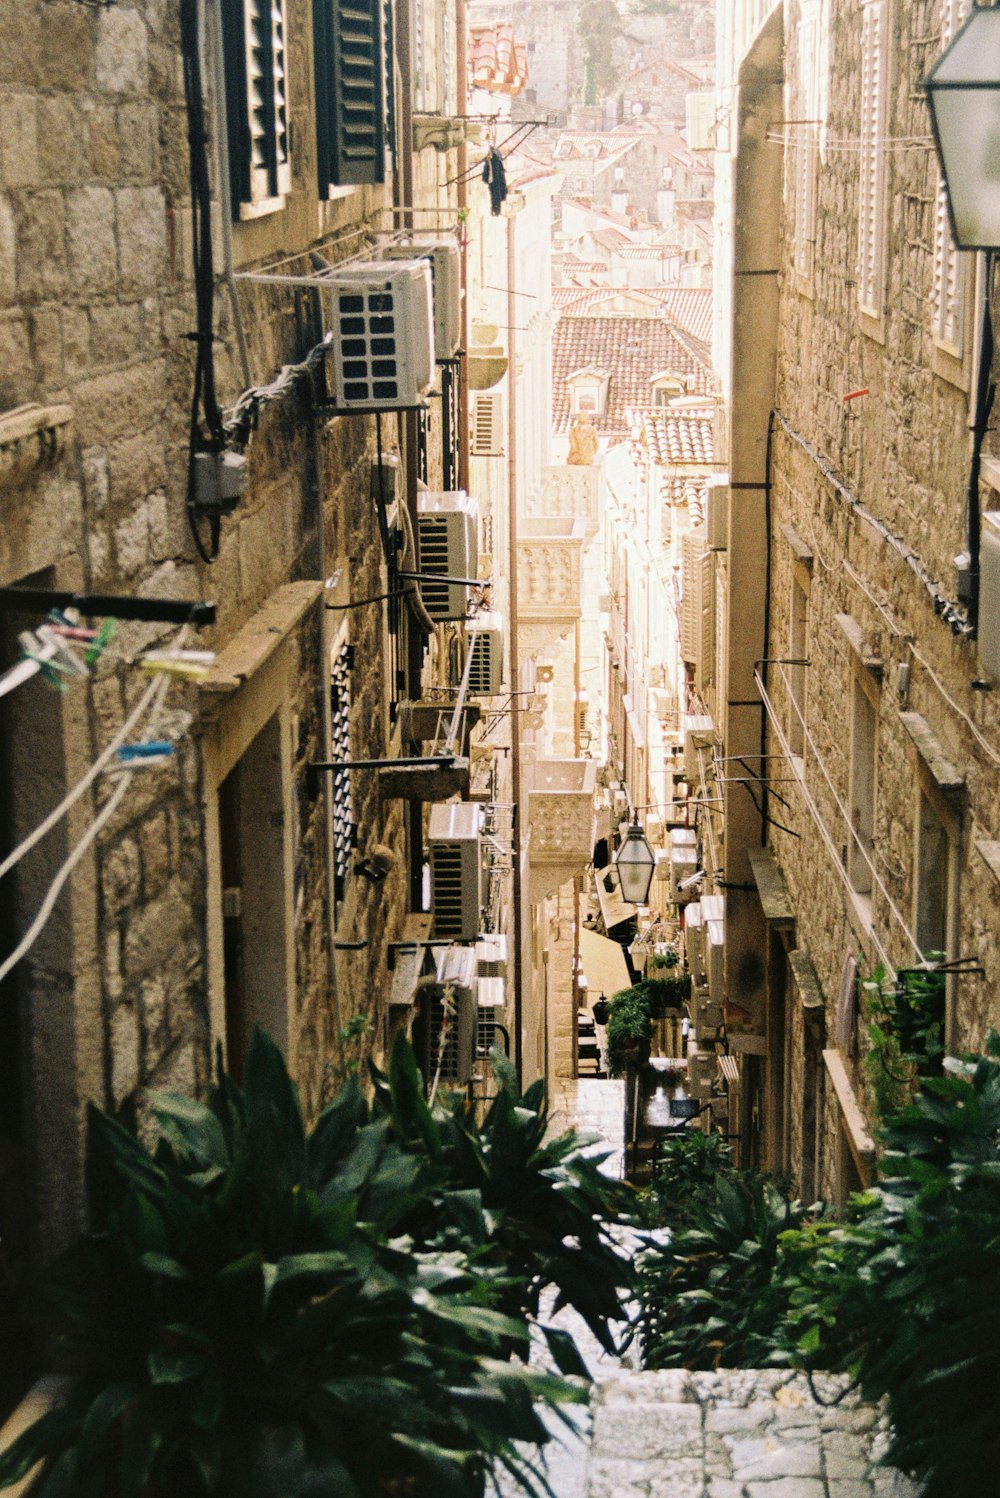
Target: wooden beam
{"points": [[430, 783], [861, 1143]]}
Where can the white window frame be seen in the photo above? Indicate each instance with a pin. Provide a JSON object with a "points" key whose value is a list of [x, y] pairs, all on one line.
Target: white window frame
{"points": [[805, 152], [951, 269], [262, 200], [872, 174]]}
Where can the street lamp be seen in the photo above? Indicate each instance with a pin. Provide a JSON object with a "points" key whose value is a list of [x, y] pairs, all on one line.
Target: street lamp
{"points": [[963, 91], [635, 862]]}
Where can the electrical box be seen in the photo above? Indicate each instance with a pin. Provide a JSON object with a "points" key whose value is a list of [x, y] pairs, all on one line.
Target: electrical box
{"points": [[446, 288], [713, 913], [382, 354], [457, 880], [448, 537], [486, 438]]}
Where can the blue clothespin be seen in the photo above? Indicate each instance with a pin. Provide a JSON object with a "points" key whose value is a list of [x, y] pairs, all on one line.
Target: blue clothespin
{"points": [[138, 754]]}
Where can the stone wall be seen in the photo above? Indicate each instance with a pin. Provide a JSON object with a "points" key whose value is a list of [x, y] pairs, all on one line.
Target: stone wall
{"points": [[874, 488]]}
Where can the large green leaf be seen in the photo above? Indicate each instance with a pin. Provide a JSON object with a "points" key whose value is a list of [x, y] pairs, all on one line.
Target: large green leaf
{"points": [[192, 1128]]}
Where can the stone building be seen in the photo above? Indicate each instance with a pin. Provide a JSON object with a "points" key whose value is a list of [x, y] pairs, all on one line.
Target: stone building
{"points": [[228, 882], [856, 676]]}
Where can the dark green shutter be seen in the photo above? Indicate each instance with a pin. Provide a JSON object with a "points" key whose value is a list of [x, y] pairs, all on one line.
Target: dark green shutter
{"points": [[350, 100]]}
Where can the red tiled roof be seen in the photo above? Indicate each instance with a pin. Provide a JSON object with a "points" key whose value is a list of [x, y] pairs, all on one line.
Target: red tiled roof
{"points": [[687, 307], [498, 63], [677, 435], [632, 350], [648, 251]]}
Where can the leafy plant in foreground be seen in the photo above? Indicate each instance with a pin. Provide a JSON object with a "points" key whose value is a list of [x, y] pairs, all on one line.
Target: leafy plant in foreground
{"points": [[251, 1317]]}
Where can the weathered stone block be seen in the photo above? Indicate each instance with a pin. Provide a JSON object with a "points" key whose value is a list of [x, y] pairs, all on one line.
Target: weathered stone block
{"points": [[62, 140], [120, 873], [76, 341], [142, 237], [103, 142], [8, 253], [647, 1432], [121, 59], [137, 132], [19, 140], [767, 1457], [41, 247], [155, 930], [124, 1046], [46, 346], [90, 238]]}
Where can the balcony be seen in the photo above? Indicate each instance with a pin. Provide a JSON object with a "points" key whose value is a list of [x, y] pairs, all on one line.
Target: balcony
{"points": [[560, 798], [569, 492], [549, 569]]}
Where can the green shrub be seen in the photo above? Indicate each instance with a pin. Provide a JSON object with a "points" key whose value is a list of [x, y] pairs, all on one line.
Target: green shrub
{"points": [[262, 1312], [684, 1178]]}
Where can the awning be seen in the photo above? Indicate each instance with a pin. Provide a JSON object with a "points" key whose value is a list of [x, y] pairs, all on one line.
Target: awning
{"points": [[614, 909], [604, 964]]}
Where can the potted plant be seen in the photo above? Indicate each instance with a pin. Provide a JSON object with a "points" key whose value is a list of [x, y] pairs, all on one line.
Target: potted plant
{"points": [[629, 1029]]}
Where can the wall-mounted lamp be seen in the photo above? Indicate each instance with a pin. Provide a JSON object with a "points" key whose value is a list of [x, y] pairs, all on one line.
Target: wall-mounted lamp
{"points": [[635, 862], [963, 91]]}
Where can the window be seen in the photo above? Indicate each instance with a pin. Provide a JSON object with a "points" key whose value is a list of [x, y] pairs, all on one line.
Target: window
{"points": [[950, 279], [931, 893], [872, 173], [798, 648], [253, 38], [350, 62], [861, 787]]}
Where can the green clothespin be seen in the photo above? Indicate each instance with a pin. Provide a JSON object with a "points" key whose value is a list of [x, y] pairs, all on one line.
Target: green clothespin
{"points": [[96, 649]]}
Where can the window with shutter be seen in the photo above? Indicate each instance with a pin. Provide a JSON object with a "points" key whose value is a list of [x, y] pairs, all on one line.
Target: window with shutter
{"points": [[341, 663], [253, 33], [350, 92], [872, 182], [805, 137], [950, 267]]}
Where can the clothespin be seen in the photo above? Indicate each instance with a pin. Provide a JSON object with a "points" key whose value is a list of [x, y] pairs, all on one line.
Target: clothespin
{"points": [[175, 666], [64, 652], [44, 655], [100, 643], [151, 749]]}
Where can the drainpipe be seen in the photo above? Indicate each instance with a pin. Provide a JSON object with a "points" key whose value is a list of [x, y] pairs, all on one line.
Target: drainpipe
{"points": [[515, 664], [578, 882], [462, 97], [222, 171]]}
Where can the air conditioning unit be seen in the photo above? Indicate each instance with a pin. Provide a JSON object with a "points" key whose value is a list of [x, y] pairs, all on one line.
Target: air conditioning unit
{"points": [[491, 955], [694, 941], [485, 641], [703, 1068], [706, 1016], [450, 1016], [446, 288], [700, 120], [383, 346], [683, 864], [713, 913], [486, 437], [492, 998], [448, 534], [456, 869], [582, 721], [699, 733], [717, 514]]}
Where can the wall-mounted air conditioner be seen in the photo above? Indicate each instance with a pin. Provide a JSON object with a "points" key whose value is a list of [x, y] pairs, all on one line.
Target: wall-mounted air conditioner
{"points": [[487, 424], [582, 709], [450, 1016], [713, 914], [683, 863], [485, 641], [699, 733], [989, 596], [491, 954], [446, 286], [703, 1068], [717, 513], [492, 998], [448, 535], [456, 862], [382, 353], [694, 942], [706, 1015]]}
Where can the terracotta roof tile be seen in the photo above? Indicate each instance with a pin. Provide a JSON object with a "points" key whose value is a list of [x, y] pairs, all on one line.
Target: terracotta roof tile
{"points": [[633, 350], [687, 307], [679, 436]]}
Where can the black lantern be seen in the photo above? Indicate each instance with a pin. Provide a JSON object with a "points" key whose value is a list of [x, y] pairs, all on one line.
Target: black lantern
{"points": [[963, 91], [635, 863]]}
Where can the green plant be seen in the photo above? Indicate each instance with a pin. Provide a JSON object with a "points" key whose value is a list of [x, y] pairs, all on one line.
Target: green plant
{"points": [[685, 1173], [667, 958], [250, 1315], [629, 1027]]}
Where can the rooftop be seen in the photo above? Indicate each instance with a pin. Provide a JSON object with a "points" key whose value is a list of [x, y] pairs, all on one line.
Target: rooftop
{"points": [[633, 350]]}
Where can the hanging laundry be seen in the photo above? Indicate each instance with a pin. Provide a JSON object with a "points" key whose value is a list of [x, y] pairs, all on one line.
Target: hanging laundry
{"points": [[496, 179]]}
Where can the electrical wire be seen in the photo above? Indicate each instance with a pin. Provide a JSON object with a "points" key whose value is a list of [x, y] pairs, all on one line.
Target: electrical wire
{"points": [[103, 817], [146, 701]]}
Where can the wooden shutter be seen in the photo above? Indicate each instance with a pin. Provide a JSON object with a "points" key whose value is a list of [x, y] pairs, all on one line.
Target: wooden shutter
{"points": [[350, 97], [871, 187], [256, 100]]}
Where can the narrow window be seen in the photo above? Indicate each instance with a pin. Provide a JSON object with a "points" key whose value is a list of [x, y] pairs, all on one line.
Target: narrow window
{"points": [[349, 55], [806, 136], [934, 863], [253, 34], [861, 789], [872, 174]]}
